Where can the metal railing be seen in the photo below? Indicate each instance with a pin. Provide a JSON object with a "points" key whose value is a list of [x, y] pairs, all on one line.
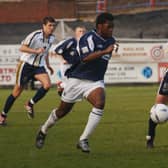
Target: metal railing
{"points": [[131, 5], [93, 7]]}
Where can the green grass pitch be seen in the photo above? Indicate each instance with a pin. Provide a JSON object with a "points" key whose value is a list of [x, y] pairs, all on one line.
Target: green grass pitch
{"points": [[118, 141]]}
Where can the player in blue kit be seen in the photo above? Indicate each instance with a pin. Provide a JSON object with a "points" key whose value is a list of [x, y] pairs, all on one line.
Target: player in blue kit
{"points": [[34, 56], [161, 98], [86, 80], [67, 49]]}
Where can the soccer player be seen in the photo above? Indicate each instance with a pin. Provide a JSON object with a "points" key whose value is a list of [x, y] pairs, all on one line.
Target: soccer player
{"points": [[85, 80], [67, 49], [161, 98], [32, 63]]}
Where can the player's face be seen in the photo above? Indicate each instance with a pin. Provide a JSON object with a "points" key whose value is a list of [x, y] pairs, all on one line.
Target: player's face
{"points": [[79, 32], [106, 29], [48, 28]]}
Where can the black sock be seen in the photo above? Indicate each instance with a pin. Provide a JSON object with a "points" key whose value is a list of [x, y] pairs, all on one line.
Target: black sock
{"points": [[9, 102], [39, 94], [151, 129], [30, 104]]}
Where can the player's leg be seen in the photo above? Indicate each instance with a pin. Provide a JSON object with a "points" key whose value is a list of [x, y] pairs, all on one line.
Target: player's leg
{"points": [[46, 84], [9, 102], [151, 134], [160, 99], [62, 83], [18, 88], [97, 99], [56, 114], [41, 92], [68, 99], [63, 109]]}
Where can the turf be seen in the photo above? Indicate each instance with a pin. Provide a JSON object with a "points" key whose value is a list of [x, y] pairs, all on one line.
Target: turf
{"points": [[118, 141]]}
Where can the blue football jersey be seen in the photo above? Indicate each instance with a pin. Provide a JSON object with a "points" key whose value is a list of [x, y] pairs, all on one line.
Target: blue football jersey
{"points": [[95, 69], [68, 49]]}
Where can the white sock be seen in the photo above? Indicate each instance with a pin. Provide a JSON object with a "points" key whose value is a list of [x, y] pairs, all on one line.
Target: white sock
{"points": [[93, 120], [50, 122], [31, 101], [4, 113]]}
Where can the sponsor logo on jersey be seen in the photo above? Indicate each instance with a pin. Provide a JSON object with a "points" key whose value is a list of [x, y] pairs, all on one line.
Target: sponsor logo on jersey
{"points": [[85, 50]]}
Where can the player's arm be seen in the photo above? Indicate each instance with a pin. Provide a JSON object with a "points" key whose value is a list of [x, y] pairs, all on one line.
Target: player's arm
{"points": [[48, 65], [63, 46], [27, 49], [87, 49], [97, 54], [26, 43]]}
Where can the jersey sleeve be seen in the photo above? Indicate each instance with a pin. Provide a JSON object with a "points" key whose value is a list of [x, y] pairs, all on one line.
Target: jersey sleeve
{"points": [[63, 46], [29, 39], [110, 41], [86, 45]]}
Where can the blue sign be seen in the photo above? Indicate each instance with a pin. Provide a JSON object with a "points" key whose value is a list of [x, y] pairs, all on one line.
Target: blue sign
{"points": [[147, 72]]}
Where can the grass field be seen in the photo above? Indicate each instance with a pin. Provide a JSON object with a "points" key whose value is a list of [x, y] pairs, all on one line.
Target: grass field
{"points": [[118, 142]]}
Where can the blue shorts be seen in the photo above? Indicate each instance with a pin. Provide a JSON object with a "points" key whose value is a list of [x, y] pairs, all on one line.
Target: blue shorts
{"points": [[26, 72]]}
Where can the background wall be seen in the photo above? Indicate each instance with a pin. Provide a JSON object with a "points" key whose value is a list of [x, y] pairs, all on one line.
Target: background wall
{"points": [[34, 10], [12, 11]]}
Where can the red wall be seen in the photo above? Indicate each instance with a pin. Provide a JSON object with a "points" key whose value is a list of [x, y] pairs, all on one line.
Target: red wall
{"points": [[35, 10], [62, 8]]}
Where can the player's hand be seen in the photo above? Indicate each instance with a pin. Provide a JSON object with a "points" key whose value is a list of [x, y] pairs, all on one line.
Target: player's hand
{"points": [[116, 46], [111, 48], [40, 50]]}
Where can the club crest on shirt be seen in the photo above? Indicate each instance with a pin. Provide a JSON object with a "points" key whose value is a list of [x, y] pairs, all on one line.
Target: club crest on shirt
{"points": [[100, 46], [72, 53]]}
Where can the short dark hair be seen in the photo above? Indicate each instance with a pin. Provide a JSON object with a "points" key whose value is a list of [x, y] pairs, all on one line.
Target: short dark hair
{"points": [[103, 17], [48, 19]]}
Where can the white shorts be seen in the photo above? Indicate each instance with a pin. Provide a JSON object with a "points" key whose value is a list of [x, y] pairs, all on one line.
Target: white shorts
{"points": [[63, 68], [77, 89]]}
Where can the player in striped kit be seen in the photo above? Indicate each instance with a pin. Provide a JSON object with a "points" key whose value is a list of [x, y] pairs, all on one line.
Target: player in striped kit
{"points": [[34, 56], [86, 80]]}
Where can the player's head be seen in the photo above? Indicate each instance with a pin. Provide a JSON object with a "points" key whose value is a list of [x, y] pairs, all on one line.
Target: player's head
{"points": [[48, 25], [104, 24], [79, 31]]}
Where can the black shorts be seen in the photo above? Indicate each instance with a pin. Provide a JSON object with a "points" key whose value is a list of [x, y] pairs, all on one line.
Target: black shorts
{"points": [[26, 72], [163, 89]]}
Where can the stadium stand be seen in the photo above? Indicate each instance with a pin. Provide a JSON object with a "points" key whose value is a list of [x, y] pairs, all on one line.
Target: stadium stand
{"points": [[129, 21]]}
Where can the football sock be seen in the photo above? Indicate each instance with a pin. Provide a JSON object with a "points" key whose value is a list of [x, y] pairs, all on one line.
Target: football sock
{"points": [[9, 102], [31, 102], [93, 120], [50, 122], [3, 114], [39, 95], [151, 129]]}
